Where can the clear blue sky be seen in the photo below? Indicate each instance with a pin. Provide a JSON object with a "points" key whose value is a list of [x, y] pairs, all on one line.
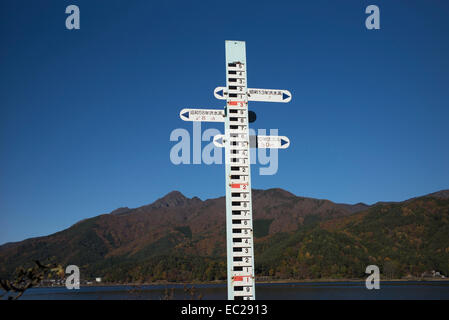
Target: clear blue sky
{"points": [[86, 115]]}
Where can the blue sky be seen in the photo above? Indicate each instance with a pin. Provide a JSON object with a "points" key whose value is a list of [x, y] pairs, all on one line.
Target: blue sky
{"points": [[86, 115]]}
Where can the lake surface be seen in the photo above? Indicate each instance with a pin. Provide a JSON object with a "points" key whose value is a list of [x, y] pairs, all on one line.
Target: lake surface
{"points": [[279, 291]]}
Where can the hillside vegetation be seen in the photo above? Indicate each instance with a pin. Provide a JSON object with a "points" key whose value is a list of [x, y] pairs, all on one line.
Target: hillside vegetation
{"points": [[181, 239]]}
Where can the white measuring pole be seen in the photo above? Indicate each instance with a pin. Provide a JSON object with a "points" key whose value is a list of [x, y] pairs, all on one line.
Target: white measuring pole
{"points": [[237, 143], [239, 217]]}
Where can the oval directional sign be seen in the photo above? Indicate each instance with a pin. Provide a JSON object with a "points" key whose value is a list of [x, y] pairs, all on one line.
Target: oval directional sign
{"points": [[262, 142], [210, 115], [264, 95], [269, 95]]}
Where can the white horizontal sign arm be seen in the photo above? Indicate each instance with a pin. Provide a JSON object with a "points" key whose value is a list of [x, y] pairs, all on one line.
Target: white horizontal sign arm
{"points": [[209, 115], [261, 142], [264, 95]]}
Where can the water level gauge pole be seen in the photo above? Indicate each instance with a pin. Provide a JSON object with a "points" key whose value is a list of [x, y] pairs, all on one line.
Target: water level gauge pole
{"points": [[237, 143], [239, 221]]}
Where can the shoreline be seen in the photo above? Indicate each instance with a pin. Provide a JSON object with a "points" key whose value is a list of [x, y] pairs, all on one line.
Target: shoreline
{"points": [[222, 282]]}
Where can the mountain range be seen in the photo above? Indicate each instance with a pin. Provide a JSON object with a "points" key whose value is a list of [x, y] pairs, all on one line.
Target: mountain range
{"points": [[183, 239]]}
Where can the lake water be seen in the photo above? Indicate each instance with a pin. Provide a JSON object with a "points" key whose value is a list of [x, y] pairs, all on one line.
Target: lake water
{"points": [[280, 291]]}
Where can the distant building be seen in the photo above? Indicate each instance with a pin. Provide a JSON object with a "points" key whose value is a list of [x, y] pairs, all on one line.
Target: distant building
{"points": [[432, 274], [98, 280]]}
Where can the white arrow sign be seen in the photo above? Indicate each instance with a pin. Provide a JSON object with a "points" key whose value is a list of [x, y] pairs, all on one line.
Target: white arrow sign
{"points": [[269, 95], [272, 142], [264, 95], [210, 115], [262, 142]]}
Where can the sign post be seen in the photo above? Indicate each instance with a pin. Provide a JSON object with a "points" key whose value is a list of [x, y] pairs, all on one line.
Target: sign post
{"points": [[237, 143]]}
